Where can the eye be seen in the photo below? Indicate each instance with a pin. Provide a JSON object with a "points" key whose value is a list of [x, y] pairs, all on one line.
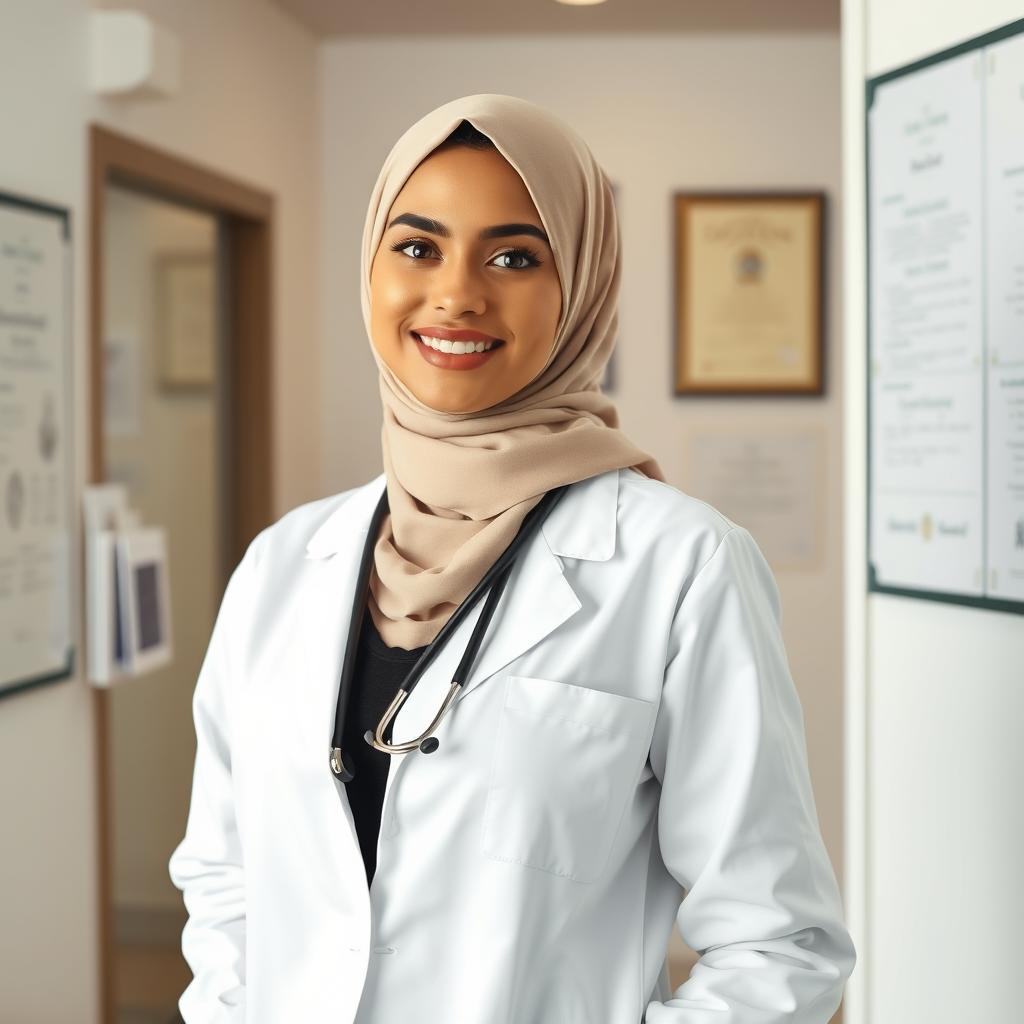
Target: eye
{"points": [[418, 243], [531, 257]]}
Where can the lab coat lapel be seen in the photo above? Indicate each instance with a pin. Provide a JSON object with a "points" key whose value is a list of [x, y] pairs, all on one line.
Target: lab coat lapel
{"points": [[333, 560], [537, 599]]}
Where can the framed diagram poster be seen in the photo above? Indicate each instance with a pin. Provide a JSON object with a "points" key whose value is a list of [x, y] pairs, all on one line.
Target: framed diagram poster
{"points": [[35, 449], [749, 293], [945, 231]]}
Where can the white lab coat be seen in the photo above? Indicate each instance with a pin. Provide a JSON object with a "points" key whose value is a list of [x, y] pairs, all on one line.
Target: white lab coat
{"points": [[630, 734]]}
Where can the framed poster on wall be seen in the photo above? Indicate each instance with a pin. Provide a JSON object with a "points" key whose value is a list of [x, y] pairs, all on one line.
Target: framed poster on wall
{"points": [[35, 444], [945, 276], [749, 287]]}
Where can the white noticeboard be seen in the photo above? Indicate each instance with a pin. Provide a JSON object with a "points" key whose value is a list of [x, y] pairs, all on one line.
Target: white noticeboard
{"points": [[35, 444], [945, 206]]}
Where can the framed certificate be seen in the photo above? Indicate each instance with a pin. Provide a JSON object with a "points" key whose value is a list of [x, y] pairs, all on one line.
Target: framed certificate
{"points": [[37, 602], [749, 290]]}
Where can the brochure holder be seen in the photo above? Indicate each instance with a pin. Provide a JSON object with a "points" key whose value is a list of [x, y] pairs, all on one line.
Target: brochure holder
{"points": [[128, 620]]}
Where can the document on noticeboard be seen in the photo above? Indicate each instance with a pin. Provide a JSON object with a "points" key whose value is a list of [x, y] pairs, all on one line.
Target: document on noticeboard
{"points": [[946, 326]]}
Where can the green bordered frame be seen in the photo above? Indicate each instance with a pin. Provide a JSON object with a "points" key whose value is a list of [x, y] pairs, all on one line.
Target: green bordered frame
{"points": [[871, 87]]}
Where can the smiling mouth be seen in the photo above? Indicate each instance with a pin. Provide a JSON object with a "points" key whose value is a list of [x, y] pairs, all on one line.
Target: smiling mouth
{"points": [[457, 348]]}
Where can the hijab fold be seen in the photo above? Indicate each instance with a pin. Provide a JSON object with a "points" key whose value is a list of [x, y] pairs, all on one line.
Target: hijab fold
{"points": [[460, 484]]}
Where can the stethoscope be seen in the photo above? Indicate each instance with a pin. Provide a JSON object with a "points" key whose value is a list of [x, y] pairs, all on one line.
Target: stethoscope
{"points": [[498, 574]]}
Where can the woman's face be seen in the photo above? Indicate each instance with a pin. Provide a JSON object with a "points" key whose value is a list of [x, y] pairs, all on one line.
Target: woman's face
{"points": [[464, 256]]}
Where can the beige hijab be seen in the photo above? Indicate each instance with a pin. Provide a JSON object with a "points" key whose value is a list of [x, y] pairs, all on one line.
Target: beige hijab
{"points": [[460, 484]]}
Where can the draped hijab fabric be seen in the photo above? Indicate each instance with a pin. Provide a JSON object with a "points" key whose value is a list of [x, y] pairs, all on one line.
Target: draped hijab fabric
{"points": [[460, 484]]}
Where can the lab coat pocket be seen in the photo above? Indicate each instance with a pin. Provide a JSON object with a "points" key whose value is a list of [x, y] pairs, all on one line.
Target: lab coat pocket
{"points": [[565, 762]]}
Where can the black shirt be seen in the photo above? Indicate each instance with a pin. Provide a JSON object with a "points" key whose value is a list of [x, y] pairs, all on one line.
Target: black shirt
{"points": [[379, 671]]}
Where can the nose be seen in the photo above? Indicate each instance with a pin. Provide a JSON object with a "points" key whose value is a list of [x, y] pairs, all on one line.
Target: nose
{"points": [[457, 287]]}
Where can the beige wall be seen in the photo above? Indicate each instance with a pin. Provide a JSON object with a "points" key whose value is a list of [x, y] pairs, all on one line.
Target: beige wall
{"points": [[935, 702], [661, 113], [247, 108]]}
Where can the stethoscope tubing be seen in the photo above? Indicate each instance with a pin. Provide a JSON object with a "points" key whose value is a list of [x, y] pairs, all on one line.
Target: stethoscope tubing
{"points": [[498, 575]]}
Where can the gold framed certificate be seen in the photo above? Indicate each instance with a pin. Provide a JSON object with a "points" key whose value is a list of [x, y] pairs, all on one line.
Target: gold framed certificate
{"points": [[749, 292]]}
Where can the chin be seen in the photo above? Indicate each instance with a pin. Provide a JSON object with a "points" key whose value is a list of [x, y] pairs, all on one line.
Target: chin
{"points": [[449, 403]]}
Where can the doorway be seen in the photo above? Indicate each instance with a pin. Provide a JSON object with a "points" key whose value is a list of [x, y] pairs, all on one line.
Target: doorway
{"points": [[180, 352]]}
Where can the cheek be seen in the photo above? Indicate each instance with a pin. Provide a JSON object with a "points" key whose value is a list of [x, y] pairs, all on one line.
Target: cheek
{"points": [[391, 302], [547, 300], [541, 317], [388, 292]]}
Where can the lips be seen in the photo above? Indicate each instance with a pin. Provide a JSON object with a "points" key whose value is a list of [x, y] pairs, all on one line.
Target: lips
{"points": [[455, 360]]}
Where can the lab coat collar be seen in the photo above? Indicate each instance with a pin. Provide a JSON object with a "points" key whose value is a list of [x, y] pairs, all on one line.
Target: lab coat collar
{"points": [[538, 599], [567, 532]]}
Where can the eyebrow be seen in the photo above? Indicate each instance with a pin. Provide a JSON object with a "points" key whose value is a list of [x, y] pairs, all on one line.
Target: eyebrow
{"points": [[435, 227]]}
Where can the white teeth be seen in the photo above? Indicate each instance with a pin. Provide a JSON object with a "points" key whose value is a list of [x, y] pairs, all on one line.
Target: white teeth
{"points": [[458, 348]]}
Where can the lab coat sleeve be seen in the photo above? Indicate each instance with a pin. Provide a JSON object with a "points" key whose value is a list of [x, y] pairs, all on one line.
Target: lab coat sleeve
{"points": [[207, 865], [737, 822]]}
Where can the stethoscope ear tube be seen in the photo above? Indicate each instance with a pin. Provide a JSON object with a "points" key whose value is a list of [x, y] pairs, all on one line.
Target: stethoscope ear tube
{"points": [[495, 578]]}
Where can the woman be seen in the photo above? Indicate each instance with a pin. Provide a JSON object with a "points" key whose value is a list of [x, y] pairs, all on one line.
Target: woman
{"points": [[629, 733]]}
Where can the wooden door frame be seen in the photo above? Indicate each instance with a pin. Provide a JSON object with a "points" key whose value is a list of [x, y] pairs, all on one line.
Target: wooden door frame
{"points": [[248, 214]]}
